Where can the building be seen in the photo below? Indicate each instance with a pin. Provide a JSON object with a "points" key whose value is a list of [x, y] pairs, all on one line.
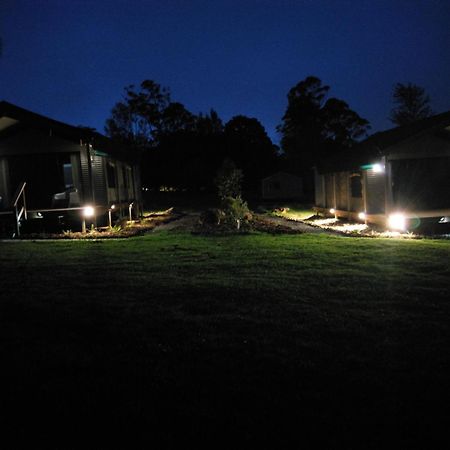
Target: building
{"points": [[282, 186], [398, 178], [48, 167]]}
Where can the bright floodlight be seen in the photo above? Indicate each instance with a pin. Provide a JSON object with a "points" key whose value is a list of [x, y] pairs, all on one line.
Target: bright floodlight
{"points": [[377, 168], [397, 221], [88, 211], [362, 216], [332, 211]]}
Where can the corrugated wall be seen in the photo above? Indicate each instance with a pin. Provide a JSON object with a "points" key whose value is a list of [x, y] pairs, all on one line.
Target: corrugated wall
{"points": [[319, 194], [85, 176], [342, 190], [99, 180], [329, 190], [375, 195]]}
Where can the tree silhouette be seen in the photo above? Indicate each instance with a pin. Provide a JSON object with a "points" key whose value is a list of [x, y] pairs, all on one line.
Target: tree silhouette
{"points": [[137, 119], [411, 104], [313, 126], [251, 149]]}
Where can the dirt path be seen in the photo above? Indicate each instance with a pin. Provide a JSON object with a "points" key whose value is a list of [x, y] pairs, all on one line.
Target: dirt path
{"points": [[293, 225], [188, 222]]}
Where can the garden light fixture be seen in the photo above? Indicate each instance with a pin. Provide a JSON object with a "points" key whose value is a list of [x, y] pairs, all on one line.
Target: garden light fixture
{"points": [[397, 221], [88, 211]]}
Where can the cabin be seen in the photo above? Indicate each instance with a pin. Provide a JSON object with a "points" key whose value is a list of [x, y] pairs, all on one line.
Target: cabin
{"points": [[52, 169], [398, 179], [282, 186]]}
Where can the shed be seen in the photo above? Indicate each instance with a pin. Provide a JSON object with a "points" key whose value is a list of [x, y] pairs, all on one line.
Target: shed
{"points": [[282, 186], [397, 178]]}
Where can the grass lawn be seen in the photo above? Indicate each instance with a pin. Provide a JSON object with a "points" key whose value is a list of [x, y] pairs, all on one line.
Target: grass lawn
{"points": [[294, 212], [287, 341]]}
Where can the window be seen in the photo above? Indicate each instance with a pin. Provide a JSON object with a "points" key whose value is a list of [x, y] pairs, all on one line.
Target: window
{"points": [[68, 175], [356, 186], [111, 175]]}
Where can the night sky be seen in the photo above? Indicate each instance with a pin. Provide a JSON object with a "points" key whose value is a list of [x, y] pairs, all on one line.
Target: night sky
{"points": [[70, 59]]}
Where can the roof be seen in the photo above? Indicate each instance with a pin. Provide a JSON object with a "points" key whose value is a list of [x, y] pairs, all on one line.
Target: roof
{"points": [[12, 116], [418, 137]]}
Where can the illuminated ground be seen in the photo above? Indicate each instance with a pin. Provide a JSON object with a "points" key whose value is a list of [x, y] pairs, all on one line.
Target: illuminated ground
{"points": [[228, 341]]}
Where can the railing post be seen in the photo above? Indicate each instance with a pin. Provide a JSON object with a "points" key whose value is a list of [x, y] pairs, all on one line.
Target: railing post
{"points": [[17, 222], [24, 205]]}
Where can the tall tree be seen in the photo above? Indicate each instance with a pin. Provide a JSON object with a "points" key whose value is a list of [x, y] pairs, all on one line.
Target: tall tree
{"points": [[249, 146], [313, 125], [411, 104], [137, 119]]}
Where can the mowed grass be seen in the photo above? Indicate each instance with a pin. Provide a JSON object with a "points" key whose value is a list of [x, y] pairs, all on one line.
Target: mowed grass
{"points": [[282, 341]]}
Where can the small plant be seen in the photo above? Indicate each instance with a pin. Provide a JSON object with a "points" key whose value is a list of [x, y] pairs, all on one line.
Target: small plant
{"points": [[228, 180], [117, 228], [236, 211]]}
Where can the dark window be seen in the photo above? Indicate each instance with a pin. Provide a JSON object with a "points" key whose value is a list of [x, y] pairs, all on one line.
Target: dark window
{"points": [[111, 174], [356, 186], [68, 175]]}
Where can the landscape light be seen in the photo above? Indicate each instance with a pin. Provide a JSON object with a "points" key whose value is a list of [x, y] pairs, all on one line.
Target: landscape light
{"points": [[397, 221], [88, 211], [113, 206], [362, 216], [332, 211]]}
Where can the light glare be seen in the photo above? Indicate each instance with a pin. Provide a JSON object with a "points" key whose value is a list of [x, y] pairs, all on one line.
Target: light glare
{"points": [[397, 221], [377, 168], [88, 211], [362, 216], [332, 211]]}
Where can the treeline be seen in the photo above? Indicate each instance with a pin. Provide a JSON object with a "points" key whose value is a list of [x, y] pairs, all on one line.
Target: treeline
{"points": [[181, 150]]}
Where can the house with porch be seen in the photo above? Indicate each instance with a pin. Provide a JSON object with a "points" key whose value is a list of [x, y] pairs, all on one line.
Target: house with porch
{"points": [[399, 178], [52, 169]]}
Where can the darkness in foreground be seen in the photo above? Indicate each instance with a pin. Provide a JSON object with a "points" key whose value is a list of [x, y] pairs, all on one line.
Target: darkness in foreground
{"points": [[180, 341]]}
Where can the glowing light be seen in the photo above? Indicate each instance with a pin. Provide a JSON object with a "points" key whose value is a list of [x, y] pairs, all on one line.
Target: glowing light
{"points": [[397, 221], [113, 206], [377, 168], [362, 216], [332, 211], [88, 211]]}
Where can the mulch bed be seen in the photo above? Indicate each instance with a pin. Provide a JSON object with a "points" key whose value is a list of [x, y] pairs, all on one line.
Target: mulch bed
{"points": [[135, 228]]}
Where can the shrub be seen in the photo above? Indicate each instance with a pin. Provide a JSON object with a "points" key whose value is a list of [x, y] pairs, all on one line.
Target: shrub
{"points": [[236, 211]]}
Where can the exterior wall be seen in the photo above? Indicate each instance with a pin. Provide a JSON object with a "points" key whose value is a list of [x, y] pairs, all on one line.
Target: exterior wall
{"points": [[375, 192], [329, 190], [99, 180], [5, 193], [319, 189], [342, 190]]}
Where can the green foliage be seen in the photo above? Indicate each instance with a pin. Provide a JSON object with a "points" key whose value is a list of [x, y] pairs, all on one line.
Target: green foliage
{"points": [[411, 104], [228, 180], [236, 209]]}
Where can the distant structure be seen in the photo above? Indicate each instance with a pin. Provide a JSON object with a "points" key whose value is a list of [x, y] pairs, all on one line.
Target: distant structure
{"points": [[282, 186], [397, 178], [51, 169]]}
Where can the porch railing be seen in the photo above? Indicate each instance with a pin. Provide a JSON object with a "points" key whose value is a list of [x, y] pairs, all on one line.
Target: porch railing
{"points": [[20, 206]]}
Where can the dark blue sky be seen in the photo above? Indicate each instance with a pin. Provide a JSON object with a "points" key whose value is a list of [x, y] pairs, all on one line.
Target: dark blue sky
{"points": [[70, 59]]}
